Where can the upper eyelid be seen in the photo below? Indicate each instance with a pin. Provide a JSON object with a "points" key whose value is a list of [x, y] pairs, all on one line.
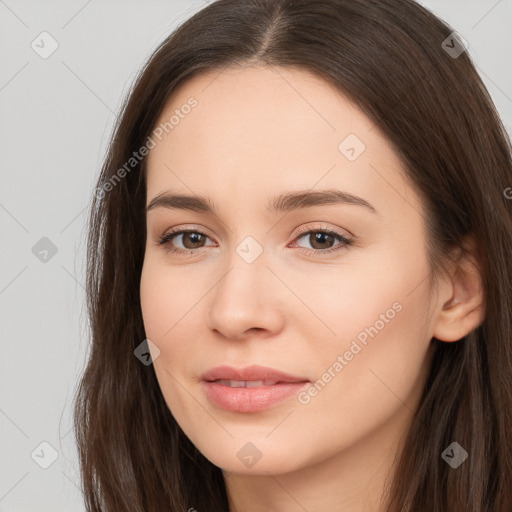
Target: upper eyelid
{"points": [[308, 228], [302, 230]]}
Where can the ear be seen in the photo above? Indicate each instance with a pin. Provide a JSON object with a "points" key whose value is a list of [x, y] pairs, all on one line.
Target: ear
{"points": [[461, 301]]}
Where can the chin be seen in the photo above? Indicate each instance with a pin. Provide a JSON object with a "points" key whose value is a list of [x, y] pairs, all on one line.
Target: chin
{"points": [[254, 457]]}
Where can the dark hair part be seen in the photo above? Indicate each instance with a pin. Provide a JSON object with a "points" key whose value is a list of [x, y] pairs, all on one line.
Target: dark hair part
{"points": [[387, 57]]}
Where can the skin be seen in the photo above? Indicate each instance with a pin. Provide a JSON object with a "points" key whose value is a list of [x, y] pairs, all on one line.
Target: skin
{"points": [[257, 132]]}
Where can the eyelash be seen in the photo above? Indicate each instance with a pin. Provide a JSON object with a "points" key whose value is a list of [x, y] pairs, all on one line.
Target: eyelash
{"points": [[345, 242]]}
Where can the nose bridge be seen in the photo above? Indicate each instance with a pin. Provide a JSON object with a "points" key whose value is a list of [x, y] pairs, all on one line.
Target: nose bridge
{"points": [[245, 297], [246, 273]]}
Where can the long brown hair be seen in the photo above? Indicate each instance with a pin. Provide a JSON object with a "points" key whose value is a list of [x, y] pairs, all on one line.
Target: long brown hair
{"points": [[390, 57]]}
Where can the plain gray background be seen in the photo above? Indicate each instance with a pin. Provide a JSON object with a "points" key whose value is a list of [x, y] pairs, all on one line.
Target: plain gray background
{"points": [[56, 115]]}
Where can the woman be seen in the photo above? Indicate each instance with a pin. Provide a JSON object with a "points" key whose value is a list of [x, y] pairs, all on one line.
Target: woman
{"points": [[303, 224]]}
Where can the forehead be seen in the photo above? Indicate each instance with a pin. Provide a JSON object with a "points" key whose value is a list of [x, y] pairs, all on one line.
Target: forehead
{"points": [[259, 130], [242, 111]]}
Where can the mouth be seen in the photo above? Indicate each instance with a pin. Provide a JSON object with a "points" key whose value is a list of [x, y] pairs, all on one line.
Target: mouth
{"points": [[250, 374], [246, 383], [250, 389]]}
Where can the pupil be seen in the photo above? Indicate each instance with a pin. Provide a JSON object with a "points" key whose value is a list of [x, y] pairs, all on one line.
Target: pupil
{"points": [[319, 236], [194, 237]]}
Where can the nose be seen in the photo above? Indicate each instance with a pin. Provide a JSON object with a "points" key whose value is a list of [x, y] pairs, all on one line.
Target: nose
{"points": [[247, 301]]}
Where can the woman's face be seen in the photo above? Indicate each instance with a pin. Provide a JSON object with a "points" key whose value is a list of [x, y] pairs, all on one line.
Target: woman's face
{"points": [[280, 287]]}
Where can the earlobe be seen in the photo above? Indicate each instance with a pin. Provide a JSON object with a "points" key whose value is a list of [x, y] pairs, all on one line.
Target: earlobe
{"points": [[461, 307]]}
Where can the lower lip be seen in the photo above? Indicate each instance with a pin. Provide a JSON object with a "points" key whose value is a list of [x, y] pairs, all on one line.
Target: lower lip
{"points": [[250, 399]]}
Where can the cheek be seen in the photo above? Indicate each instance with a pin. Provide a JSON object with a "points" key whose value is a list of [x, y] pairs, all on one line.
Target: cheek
{"points": [[350, 298], [377, 357], [160, 306], [151, 302], [170, 303], [164, 308], [165, 299], [383, 363]]}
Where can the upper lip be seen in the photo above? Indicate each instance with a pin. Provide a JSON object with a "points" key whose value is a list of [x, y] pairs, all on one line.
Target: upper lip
{"points": [[253, 372]]}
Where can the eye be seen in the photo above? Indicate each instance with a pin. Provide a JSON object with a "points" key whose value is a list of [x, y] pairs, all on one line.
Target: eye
{"points": [[194, 239], [317, 238], [190, 239]]}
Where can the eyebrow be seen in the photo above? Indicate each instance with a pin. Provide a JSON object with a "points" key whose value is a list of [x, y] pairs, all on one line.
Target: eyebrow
{"points": [[282, 203]]}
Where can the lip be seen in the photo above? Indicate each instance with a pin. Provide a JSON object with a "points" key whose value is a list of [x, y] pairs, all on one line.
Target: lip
{"points": [[254, 399], [254, 372]]}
